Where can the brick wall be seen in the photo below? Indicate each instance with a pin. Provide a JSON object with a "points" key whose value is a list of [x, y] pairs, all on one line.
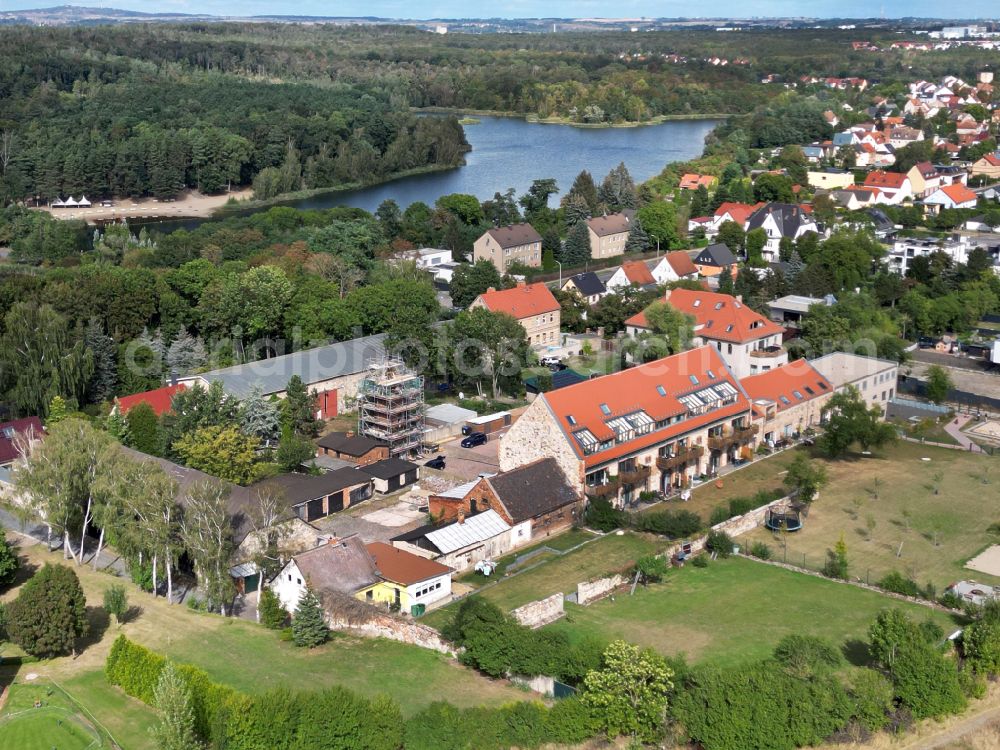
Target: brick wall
{"points": [[541, 612]]}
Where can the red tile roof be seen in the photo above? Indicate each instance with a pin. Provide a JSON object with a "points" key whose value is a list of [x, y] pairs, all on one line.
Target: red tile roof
{"points": [[959, 193], [992, 159], [739, 212], [9, 430], [798, 377], [654, 390], [400, 566], [523, 301], [159, 399], [719, 317], [880, 179], [681, 262], [692, 181], [638, 272]]}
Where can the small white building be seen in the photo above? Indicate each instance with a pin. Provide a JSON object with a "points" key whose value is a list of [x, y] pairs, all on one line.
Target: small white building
{"points": [[460, 545], [874, 378], [337, 566]]}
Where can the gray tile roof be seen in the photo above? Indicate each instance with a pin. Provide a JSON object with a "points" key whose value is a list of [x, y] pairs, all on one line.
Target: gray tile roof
{"points": [[388, 468], [514, 235], [297, 489], [716, 255], [788, 218], [312, 365], [342, 566], [533, 490]]}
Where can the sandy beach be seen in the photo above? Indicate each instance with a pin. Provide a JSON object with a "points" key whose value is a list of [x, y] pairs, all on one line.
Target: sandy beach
{"points": [[189, 204]]}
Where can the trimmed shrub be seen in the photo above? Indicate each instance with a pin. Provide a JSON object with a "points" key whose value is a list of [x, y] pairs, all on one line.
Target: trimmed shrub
{"points": [[761, 551], [674, 524], [700, 561], [272, 615], [806, 656], [49, 613], [899, 584], [719, 514], [603, 516], [133, 668], [720, 543], [569, 722]]}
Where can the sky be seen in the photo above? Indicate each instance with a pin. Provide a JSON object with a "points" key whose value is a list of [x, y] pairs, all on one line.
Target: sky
{"points": [[417, 9]]}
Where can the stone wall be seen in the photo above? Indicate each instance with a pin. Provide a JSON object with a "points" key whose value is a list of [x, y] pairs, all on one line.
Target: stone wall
{"points": [[736, 525], [536, 435], [385, 625], [591, 591], [540, 684], [542, 612]]}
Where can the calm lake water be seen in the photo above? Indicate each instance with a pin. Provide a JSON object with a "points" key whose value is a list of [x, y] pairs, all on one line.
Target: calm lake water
{"points": [[511, 152]]}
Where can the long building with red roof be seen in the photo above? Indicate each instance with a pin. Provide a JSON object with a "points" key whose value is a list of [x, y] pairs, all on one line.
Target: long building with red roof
{"points": [[159, 399], [748, 342], [787, 400], [651, 427]]}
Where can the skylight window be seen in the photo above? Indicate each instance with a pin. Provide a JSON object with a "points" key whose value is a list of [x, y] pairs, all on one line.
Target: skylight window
{"points": [[710, 374], [605, 409], [718, 305], [822, 385], [694, 379], [797, 394], [784, 400], [571, 419], [696, 303], [729, 328], [810, 391], [661, 390]]}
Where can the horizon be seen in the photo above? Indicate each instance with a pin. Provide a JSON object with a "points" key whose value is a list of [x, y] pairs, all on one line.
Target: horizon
{"points": [[527, 10]]}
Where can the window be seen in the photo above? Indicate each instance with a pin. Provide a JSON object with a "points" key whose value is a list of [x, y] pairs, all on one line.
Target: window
{"points": [[697, 303], [718, 305], [710, 374], [694, 379], [571, 419], [797, 394], [299, 581], [289, 576], [729, 328], [605, 409], [730, 348], [369, 595], [661, 390], [784, 400]]}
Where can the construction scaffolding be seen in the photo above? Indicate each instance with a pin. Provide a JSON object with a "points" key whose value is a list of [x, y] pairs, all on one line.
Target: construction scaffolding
{"points": [[391, 406]]}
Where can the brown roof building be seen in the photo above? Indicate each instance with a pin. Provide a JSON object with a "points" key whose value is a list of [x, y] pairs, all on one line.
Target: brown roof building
{"points": [[514, 243], [609, 234]]}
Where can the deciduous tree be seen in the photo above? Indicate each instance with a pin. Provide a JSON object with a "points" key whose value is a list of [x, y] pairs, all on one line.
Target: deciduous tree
{"points": [[49, 613]]}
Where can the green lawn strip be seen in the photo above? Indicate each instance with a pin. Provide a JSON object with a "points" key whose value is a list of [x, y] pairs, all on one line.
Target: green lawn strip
{"points": [[939, 532], [560, 543], [56, 723], [126, 719], [249, 658], [734, 611]]}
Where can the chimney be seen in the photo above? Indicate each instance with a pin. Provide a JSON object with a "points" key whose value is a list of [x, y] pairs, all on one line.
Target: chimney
{"points": [[332, 540], [521, 283], [349, 433], [666, 295], [739, 298], [461, 515]]}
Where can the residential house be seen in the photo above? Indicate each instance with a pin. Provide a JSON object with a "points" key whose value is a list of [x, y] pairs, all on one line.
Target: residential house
{"points": [[405, 580], [787, 400], [391, 474], [657, 426], [830, 179], [514, 243], [462, 544], [356, 449], [532, 495], [738, 213], [905, 249], [780, 220], [875, 379], [13, 436], [692, 181], [333, 371], [988, 166], [951, 196], [314, 496], [924, 179], [893, 187], [793, 307], [335, 567], [855, 198], [532, 305], [609, 234], [674, 267], [158, 399], [903, 136], [713, 259], [439, 263], [631, 273], [746, 340], [587, 285]]}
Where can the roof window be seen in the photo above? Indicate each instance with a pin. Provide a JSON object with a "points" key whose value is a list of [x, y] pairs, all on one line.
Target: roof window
{"points": [[571, 419], [694, 379], [661, 390], [784, 400], [605, 409], [696, 303]]}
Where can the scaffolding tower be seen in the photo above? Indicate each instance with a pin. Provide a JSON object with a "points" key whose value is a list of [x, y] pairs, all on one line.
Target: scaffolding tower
{"points": [[391, 406]]}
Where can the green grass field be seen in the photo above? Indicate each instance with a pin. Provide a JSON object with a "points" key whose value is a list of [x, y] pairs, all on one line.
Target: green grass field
{"points": [[562, 543], [734, 611], [927, 535], [55, 723]]}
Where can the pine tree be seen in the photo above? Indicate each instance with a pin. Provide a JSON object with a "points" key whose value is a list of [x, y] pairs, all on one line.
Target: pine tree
{"points": [[297, 409], [309, 625], [576, 251], [172, 697], [117, 426], [9, 562], [575, 210], [272, 615], [618, 189], [727, 284], [58, 411], [185, 354], [795, 266], [143, 428], [104, 381], [638, 240], [584, 187], [259, 416], [49, 614], [700, 202]]}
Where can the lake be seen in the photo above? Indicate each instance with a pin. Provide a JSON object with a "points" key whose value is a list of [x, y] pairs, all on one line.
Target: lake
{"points": [[511, 152]]}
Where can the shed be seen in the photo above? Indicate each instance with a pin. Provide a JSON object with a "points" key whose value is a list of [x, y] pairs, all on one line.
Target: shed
{"points": [[488, 422], [447, 414], [314, 496], [392, 474]]}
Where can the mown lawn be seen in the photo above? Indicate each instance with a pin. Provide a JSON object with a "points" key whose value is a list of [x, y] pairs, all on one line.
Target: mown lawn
{"points": [[610, 554], [734, 611], [55, 723], [562, 542], [927, 535]]}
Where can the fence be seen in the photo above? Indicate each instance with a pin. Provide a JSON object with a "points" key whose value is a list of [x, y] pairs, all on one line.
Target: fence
{"points": [[919, 388]]}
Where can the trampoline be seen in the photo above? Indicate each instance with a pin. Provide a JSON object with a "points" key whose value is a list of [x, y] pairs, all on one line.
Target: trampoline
{"points": [[789, 520]]}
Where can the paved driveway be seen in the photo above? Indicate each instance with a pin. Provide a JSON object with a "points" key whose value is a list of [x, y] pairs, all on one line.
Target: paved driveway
{"points": [[469, 463]]}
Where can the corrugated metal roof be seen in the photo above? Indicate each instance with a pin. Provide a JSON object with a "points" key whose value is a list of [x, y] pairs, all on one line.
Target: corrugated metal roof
{"points": [[476, 529], [449, 414], [459, 492], [312, 365]]}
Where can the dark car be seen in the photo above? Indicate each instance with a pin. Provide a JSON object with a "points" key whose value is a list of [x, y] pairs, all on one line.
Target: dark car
{"points": [[476, 438], [435, 463]]}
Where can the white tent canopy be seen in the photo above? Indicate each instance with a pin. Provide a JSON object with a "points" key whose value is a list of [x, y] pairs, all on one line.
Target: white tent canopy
{"points": [[83, 201]]}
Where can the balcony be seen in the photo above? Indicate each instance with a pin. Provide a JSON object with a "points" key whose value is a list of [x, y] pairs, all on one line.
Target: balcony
{"points": [[734, 436], [608, 489], [638, 475], [681, 457], [768, 352]]}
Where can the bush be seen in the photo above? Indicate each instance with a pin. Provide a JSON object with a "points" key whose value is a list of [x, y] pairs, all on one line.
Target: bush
{"points": [[760, 551], [116, 602], [720, 543], [926, 682], [603, 516], [951, 600], [674, 524], [740, 505], [569, 722], [9, 562], [805, 656], [49, 613], [142, 576], [272, 615], [899, 584], [719, 514], [872, 696], [651, 568], [700, 561]]}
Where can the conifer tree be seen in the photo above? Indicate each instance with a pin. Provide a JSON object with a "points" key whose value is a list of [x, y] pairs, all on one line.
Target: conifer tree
{"points": [[272, 615], [172, 697], [9, 562], [638, 240], [309, 625], [576, 251], [104, 381]]}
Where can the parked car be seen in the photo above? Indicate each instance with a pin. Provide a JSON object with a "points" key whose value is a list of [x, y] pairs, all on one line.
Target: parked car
{"points": [[550, 361], [435, 463], [927, 342], [474, 439]]}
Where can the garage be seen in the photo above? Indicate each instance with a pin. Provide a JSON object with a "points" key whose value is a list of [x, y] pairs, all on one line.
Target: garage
{"points": [[392, 474]]}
